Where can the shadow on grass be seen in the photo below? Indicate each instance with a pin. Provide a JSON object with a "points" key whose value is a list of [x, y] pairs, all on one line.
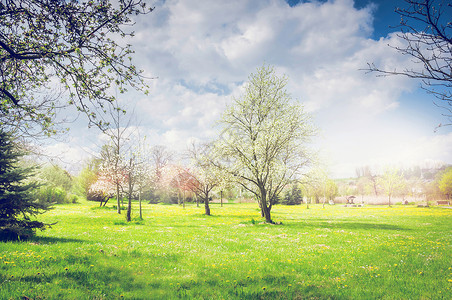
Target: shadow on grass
{"points": [[53, 240], [100, 277], [348, 225]]}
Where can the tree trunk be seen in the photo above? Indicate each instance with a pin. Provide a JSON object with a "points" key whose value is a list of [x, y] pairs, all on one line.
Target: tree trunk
{"points": [[117, 198], [129, 210], [267, 215], [129, 204], [265, 210], [206, 205], [260, 206], [139, 200]]}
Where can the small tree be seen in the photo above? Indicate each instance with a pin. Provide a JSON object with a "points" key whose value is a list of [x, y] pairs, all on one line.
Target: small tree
{"points": [[17, 204], [331, 189], [102, 190], [205, 175], [87, 177], [390, 181], [445, 183], [364, 187]]}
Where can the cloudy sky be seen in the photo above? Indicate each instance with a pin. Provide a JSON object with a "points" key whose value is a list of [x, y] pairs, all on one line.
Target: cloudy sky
{"points": [[203, 51]]}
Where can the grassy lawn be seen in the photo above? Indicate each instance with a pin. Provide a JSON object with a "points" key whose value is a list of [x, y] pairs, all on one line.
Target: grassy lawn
{"points": [[332, 252]]}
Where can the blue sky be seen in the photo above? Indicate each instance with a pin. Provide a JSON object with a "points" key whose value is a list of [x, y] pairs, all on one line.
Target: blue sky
{"points": [[203, 51]]}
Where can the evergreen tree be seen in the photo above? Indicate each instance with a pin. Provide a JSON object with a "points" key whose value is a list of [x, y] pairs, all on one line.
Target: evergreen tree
{"points": [[16, 195]]}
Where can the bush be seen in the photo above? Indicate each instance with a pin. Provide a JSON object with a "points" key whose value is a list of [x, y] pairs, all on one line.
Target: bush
{"points": [[54, 195]]}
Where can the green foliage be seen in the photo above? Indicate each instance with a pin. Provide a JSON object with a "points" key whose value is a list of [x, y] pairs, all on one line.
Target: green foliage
{"points": [[55, 176], [445, 183], [17, 204], [87, 176], [293, 196], [69, 40], [391, 182], [331, 189], [53, 195]]}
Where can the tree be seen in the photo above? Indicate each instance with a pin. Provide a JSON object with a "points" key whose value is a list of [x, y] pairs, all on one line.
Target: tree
{"points": [[142, 168], [87, 176], [445, 183], [293, 196], [331, 189], [113, 167], [102, 190], [364, 186], [73, 41], [55, 176], [113, 155], [426, 31], [390, 181], [263, 138], [160, 158], [175, 178], [205, 175], [17, 203]]}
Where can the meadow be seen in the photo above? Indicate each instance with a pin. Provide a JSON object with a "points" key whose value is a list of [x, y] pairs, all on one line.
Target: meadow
{"points": [[402, 252]]}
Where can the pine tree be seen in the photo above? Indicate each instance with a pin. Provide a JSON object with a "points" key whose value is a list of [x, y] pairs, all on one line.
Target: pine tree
{"points": [[17, 204]]}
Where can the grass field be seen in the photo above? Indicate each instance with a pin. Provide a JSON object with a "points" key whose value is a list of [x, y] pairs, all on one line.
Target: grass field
{"points": [[319, 253]]}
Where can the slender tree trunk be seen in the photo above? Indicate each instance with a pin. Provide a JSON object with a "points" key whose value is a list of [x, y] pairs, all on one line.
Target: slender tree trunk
{"points": [[117, 198], [221, 198], [129, 204], [139, 200]]}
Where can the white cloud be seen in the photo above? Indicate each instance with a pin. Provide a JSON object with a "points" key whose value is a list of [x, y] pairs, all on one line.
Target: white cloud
{"points": [[203, 51]]}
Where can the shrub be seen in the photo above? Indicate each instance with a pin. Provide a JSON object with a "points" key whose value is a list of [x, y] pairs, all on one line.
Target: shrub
{"points": [[52, 195]]}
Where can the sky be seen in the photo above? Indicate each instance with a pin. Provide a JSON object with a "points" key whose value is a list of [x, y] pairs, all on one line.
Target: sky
{"points": [[200, 54]]}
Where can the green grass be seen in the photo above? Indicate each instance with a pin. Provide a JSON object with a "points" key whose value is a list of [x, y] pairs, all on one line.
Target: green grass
{"points": [[335, 252]]}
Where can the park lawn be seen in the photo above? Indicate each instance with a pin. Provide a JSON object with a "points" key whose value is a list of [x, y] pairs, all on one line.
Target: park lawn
{"points": [[333, 252]]}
